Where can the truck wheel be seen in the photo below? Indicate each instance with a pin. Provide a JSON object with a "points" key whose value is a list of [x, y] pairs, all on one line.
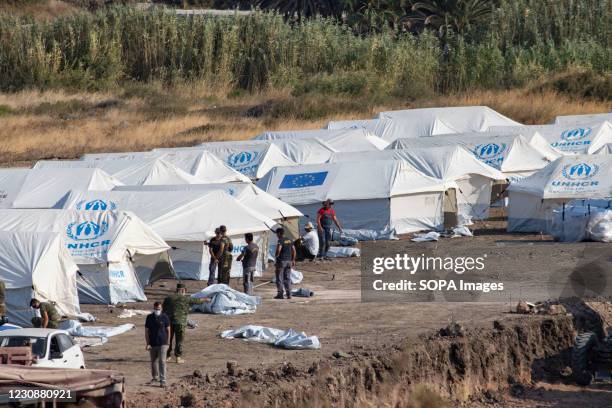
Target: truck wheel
{"points": [[581, 353]]}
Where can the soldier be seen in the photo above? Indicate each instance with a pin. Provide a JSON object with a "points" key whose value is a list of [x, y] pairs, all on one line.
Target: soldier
{"points": [[285, 259], [46, 315], [214, 245], [176, 307], [225, 256], [248, 256]]}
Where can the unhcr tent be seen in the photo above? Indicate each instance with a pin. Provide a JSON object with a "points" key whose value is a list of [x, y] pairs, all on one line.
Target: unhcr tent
{"points": [[436, 121], [201, 164], [246, 193], [605, 149], [47, 188], [135, 172], [452, 164], [342, 140], [578, 119], [367, 124], [585, 138], [513, 155], [37, 264], [116, 252], [253, 160], [11, 181], [379, 195], [533, 199], [305, 151], [186, 220]]}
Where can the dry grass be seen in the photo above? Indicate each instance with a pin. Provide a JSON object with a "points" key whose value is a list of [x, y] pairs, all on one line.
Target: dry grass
{"points": [[61, 125], [42, 10]]}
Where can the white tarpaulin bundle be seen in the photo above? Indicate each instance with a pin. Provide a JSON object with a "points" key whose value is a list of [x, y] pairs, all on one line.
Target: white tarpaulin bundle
{"points": [[144, 171], [377, 195], [288, 339], [568, 139], [77, 329], [226, 301], [37, 264], [436, 121], [253, 159], [513, 155], [185, 220], [205, 166], [577, 119], [115, 251], [347, 140], [575, 223], [47, 188], [533, 199], [11, 181]]}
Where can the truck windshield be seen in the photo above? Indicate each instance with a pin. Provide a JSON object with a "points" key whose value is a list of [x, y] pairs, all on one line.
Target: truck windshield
{"points": [[38, 344]]}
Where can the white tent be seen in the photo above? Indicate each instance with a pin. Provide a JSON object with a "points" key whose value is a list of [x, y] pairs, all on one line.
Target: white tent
{"points": [[513, 155], [605, 149], [253, 160], [201, 164], [37, 264], [450, 164], [436, 121], [185, 220], [533, 199], [577, 119], [11, 181], [305, 151], [116, 252], [135, 172], [47, 188], [367, 124], [585, 138], [379, 195], [342, 140]]}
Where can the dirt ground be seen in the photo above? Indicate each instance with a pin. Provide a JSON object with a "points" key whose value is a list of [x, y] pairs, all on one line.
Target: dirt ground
{"points": [[343, 323]]}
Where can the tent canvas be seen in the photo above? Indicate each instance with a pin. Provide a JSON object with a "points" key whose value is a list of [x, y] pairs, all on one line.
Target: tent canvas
{"points": [[347, 140], [578, 119], [37, 264], [513, 155], [253, 160], [585, 138], [367, 124], [186, 220], [533, 199], [142, 171], [11, 181], [46, 188], [246, 193], [201, 164], [378, 195], [116, 252], [436, 121]]}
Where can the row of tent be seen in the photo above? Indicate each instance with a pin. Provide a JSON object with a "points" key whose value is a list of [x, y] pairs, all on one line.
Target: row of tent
{"points": [[127, 219]]}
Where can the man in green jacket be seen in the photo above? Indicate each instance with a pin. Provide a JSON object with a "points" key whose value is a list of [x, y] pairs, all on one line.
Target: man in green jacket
{"points": [[47, 316]]}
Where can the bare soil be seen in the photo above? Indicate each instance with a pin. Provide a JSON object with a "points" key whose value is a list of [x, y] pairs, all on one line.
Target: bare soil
{"points": [[387, 349]]}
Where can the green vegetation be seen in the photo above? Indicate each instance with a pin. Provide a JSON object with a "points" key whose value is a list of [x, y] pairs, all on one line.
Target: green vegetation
{"points": [[518, 42]]}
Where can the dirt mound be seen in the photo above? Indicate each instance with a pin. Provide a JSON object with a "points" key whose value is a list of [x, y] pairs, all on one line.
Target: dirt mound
{"points": [[478, 364]]}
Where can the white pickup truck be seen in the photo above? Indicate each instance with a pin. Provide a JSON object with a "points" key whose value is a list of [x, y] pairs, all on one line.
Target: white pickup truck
{"points": [[50, 347]]}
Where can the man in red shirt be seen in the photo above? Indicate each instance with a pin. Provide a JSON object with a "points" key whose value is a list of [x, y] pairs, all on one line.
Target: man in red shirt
{"points": [[326, 217]]}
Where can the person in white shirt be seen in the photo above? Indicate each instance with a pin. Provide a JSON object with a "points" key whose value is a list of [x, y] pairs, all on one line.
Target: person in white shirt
{"points": [[308, 245]]}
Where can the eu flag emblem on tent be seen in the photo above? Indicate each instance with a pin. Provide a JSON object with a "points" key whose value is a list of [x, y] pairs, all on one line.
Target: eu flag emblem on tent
{"points": [[303, 180]]}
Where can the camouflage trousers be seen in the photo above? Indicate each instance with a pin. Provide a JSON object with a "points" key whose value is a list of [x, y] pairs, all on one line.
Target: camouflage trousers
{"points": [[177, 332], [37, 322]]}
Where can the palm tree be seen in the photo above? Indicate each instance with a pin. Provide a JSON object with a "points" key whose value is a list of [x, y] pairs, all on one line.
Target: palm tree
{"points": [[303, 8], [456, 15]]}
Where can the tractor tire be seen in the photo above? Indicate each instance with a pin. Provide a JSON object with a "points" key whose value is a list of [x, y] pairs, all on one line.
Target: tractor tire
{"points": [[581, 353]]}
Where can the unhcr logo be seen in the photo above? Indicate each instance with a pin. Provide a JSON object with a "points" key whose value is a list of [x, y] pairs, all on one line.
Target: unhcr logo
{"points": [[86, 231], [575, 134], [580, 171], [489, 150], [242, 159], [96, 205]]}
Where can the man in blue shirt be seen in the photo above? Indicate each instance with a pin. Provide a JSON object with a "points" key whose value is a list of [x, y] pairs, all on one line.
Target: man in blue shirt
{"points": [[157, 333]]}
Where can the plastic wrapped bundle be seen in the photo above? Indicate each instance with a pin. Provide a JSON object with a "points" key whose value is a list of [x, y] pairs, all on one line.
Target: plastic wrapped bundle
{"points": [[569, 224], [599, 227]]}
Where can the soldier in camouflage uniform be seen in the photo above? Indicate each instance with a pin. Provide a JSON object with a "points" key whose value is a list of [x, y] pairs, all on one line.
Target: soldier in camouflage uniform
{"points": [[225, 259], [177, 307], [49, 317]]}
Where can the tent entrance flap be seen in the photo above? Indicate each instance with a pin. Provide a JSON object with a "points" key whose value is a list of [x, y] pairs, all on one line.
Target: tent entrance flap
{"points": [[450, 208], [498, 190], [151, 268]]}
